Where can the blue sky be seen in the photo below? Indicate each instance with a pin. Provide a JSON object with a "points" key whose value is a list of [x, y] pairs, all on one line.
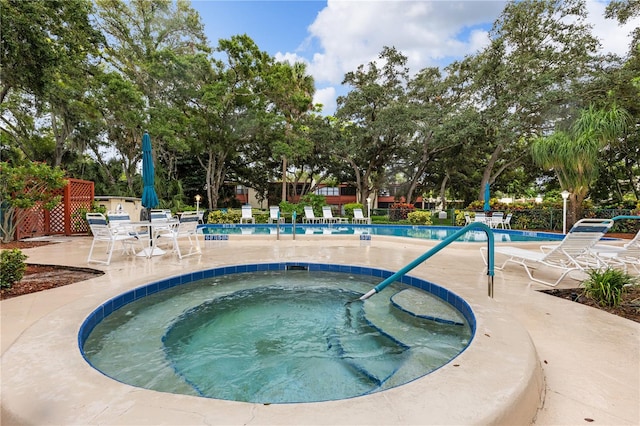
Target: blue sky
{"points": [[335, 36], [273, 25]]}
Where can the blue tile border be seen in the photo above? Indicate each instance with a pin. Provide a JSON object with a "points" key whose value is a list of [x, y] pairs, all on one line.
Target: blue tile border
{"points": [[111, 305]]}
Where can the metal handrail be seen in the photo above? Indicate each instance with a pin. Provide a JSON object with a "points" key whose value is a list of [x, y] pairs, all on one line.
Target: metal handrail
{"points": [[625, 217], [436, 249]]}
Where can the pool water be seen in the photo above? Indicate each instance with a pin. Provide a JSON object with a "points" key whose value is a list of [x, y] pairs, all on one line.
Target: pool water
{"points": [[423, 232], [276, 337]]}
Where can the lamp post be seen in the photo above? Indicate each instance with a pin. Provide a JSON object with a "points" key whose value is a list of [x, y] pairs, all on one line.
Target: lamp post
{"points": [[565, 194], [369, 208], [198, 198]]}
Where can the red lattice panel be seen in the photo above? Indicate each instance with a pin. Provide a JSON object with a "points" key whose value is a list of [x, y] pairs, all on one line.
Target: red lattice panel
{"points": [[64, 219], [79, 201], [31, 223]]}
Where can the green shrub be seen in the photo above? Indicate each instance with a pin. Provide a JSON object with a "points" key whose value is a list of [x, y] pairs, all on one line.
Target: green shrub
{"points": [[348, 209], [287, 209], [315, 201], [607, 286], [12, 267], [460, 218], [421, 217], [224, 216]]}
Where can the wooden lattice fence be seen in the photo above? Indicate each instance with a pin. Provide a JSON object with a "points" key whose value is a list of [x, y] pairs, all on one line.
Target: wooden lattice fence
{"points": [[65, 218]]}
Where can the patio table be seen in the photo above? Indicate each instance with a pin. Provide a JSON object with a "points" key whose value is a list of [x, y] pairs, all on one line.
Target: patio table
{"points": [[152, 226]]}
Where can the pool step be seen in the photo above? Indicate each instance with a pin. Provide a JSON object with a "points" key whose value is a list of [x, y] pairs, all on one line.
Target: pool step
{"points": [[406, 319], [426, 306], [369, 357]]}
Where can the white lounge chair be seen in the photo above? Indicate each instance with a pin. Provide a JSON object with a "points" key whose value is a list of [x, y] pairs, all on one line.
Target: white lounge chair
{"points": [[358, 217], [467, 219], [626, 255], [275, 216], [327, 216], [309, 216], [247, 215], [103, 233], [572, 254]]}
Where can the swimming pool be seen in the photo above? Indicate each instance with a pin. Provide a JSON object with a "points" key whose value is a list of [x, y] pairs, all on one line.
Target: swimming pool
{"points": [[277, 333], [409, 231]]}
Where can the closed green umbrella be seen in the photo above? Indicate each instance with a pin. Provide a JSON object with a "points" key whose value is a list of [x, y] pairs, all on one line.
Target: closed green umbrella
{"points": [[487, 198], [149, 196]]}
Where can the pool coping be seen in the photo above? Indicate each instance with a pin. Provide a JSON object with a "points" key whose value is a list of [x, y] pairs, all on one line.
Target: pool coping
{"points": [[44, 378], [91, 398]]}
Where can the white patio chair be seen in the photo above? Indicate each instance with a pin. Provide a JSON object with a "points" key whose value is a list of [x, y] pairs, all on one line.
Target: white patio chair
{"points": [[247, 215], [309, 216], [358, 217], [467, 219], [275, 216], [572, 254], [186, 229], [327, 216], [120, 223], [480, 217], [160, 216], [103, 233], [496, 220]]}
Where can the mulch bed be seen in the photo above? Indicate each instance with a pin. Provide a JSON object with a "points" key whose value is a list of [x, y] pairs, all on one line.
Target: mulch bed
{"points": [[629, 309], [39, 277]]}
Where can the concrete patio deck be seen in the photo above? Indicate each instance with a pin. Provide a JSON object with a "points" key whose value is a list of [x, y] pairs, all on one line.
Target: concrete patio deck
{"points": [[589, 359]]}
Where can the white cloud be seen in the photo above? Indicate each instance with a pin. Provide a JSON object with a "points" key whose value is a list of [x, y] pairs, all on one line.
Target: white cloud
{"points": [[292, 58], [347, 34], [326, 97], [352, 33], [613, 38]]}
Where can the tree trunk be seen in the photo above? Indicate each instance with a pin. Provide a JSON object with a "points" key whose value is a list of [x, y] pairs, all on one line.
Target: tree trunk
{"points": [[486, 176], [284, 178], [443, 188]]}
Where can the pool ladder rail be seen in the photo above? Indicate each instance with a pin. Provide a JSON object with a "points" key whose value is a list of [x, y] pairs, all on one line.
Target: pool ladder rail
{"points": [[402, 272]]}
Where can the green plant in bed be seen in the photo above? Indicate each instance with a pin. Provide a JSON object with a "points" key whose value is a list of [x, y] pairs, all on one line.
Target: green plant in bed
{"points": [[608, 286]]}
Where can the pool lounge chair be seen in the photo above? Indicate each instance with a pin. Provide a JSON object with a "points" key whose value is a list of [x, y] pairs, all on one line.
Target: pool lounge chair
{"points": [[616, 256], [275, 216], [247, 215], [572, 254], [327, 216], [309, 216], [358, 217]]}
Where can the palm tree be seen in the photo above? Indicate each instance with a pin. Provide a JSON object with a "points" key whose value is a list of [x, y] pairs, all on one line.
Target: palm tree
{"points": [[573, 156], [292, 92]]}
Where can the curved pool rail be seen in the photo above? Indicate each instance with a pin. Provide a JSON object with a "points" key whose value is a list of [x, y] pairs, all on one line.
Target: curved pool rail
{"points": [[403, 271]]}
